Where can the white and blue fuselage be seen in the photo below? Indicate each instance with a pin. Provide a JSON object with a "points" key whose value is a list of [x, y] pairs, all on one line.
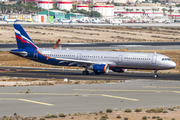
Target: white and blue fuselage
{"points": [[97, 61]]}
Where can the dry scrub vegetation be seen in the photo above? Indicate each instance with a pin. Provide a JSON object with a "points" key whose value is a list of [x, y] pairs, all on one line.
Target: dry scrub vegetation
{"points": [[162, 113], [15, 82], [92, 34], [8, 59]]}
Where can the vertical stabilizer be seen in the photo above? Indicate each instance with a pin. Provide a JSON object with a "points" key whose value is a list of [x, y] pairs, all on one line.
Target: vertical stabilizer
{"points": [[23, 40]]}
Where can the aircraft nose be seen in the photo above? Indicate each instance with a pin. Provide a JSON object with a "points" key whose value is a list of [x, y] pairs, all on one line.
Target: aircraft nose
{"points": [[173, 64]]}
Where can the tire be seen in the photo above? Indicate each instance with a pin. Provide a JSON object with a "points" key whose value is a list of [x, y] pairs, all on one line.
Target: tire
{"points": [[156, 76], [97, 73], [85, 72]]}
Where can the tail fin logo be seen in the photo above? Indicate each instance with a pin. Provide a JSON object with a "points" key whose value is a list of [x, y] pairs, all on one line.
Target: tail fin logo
{"points": [[23, 39]]}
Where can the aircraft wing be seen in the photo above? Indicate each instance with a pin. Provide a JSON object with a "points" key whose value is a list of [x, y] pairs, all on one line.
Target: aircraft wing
{"points": [[87, 62]]}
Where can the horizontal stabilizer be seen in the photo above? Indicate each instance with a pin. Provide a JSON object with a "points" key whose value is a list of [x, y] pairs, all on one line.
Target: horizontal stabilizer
{"points": [[22, 53]]}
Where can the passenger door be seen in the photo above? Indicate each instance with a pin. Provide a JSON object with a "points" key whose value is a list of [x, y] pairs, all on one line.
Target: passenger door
{"points": [[154, 57], [120, 59], [79, 56]]}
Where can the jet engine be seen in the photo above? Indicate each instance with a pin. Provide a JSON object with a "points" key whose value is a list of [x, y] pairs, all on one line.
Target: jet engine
{"points": [[100, 68], [120, 70]]}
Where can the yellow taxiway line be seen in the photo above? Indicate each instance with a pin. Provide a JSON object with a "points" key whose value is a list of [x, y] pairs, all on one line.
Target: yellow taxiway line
{"points": [[121, 97], [37, 102], [42, 103], [61, 94]]}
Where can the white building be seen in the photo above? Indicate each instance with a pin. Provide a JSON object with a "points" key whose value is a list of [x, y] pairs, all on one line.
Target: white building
{"points": [[83, 6], [105, 10], [46, 4], [64, 4], [138, 11], [126, 1]]}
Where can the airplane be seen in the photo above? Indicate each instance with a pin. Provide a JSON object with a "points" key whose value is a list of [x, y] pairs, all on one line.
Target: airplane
{"points": [[65, 21], [9, 20], [100, 62]]}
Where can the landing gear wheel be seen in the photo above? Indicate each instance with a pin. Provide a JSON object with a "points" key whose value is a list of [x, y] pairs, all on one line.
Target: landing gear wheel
{"points": [[97, 73], [85, 72], [155, 74]]}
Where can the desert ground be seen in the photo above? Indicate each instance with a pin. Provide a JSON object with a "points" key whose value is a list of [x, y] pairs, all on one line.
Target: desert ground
{"points": [[92, 34]]}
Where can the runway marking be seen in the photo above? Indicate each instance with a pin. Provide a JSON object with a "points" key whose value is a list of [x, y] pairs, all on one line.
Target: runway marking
{"points": [[121, 97], [76, 94], [126, 90], [36, 102], [27, 101]]}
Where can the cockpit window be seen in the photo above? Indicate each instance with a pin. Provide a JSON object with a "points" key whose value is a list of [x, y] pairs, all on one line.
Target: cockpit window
{"points": [[166, 59]]}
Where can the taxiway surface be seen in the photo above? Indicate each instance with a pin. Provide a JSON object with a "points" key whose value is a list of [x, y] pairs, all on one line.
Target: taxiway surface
{"points": [[55, 99]]}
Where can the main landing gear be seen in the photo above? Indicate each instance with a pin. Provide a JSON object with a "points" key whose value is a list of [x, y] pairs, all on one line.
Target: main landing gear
{"points": [[86, 72], [155, 74]]}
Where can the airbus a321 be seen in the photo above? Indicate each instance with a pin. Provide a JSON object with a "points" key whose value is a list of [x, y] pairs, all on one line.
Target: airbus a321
{"points": [[99, 62]]}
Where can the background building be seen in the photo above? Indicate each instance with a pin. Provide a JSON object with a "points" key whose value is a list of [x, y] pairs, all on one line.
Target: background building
{"points": [[46, 4], [72, 16], [127, 1], [55, 13], [83, 6], [105, 10], [64, 4]]}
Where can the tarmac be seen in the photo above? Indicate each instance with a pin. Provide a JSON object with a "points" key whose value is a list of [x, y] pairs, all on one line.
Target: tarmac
{"points": [[77, 74], [87, 98]]}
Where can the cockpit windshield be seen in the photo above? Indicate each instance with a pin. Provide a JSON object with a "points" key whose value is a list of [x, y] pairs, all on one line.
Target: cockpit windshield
{"points": [[166, 59]]}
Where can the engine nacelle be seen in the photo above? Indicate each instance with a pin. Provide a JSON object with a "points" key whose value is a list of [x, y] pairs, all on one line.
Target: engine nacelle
{"points": [[120, 70], [100, 68]]}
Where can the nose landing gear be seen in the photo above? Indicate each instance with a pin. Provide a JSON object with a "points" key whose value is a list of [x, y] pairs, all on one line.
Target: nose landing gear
{"points": [[155, 74]]}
